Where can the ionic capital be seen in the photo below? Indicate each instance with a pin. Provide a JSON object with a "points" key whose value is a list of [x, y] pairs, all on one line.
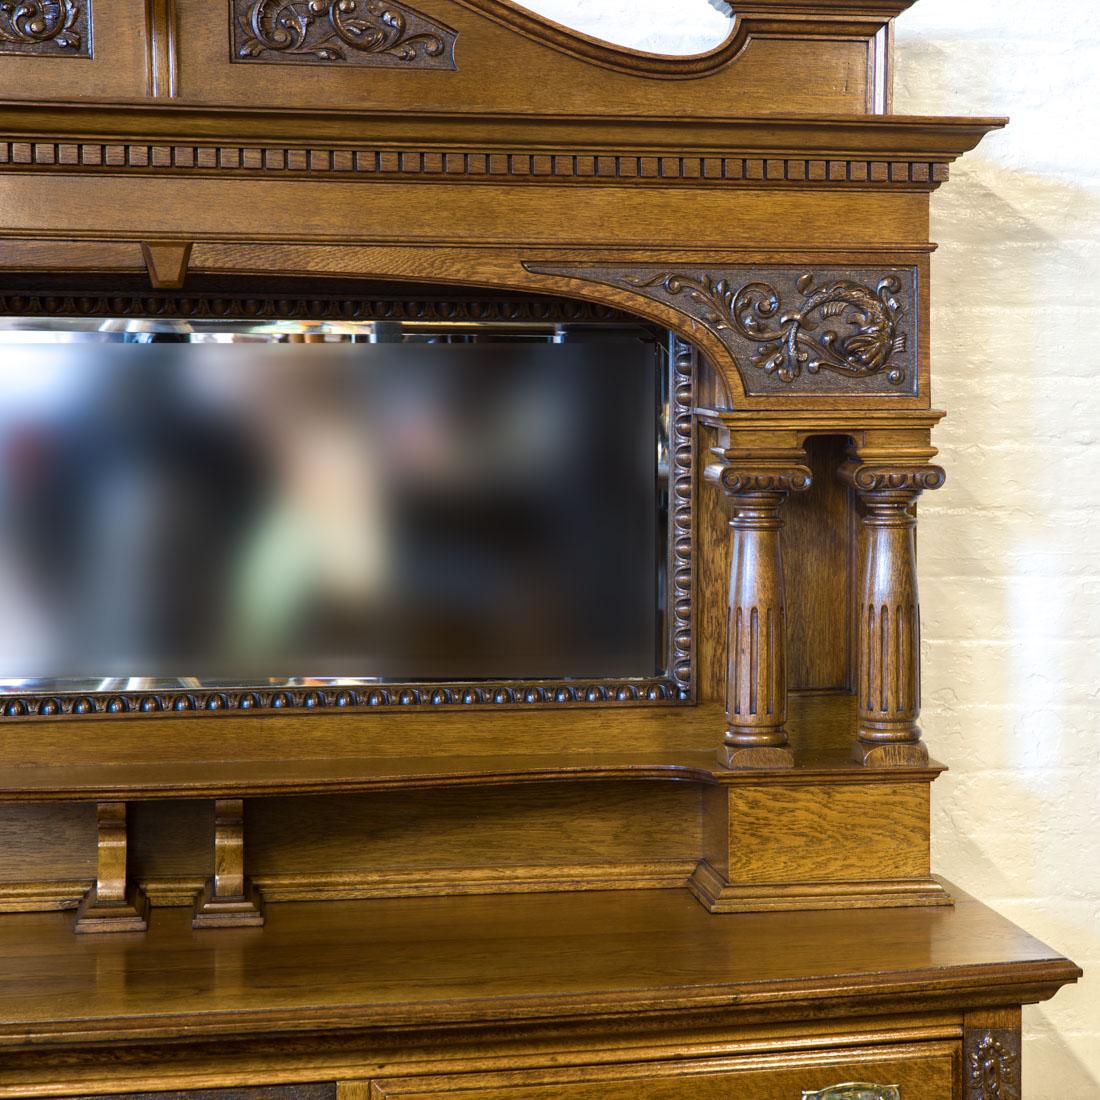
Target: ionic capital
{"points": [[883, 478], [736, 475]]}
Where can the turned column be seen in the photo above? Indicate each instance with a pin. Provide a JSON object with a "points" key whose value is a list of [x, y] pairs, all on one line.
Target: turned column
{"points": [[756, 624], [888, 618], [112, 904]]}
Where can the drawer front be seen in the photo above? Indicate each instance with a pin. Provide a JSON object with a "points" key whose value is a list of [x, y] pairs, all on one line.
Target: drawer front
{"points": [[920, 1071]]}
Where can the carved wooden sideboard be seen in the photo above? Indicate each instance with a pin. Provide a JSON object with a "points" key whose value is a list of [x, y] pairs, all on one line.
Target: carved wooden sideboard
{"points": [[712, 883]]}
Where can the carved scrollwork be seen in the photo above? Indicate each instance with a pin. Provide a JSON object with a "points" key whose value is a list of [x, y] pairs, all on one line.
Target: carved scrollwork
{"points": [[835, 331], [365, 32], [993, 1067], [886, 479], [43, 26], [735, 479], [787, 341]]}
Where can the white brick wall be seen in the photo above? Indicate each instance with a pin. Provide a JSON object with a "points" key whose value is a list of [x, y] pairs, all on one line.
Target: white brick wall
{"points": [[1010, 564]]}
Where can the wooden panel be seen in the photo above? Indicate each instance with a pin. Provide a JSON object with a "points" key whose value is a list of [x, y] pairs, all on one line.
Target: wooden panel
{"points": [[561, 823], [172, 839], [116, 70], [499, 745], [926, 1072], [480, 214], [817, 557], [712, 560], [372, 839], [70, 256], [494, 67], [829, 833], [41, 842]]}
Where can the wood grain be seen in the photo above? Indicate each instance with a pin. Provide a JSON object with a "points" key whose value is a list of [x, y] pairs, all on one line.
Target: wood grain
{"points": [[930, 1071], [817, 560], [516, 958], [892, 828], [503, 972]]}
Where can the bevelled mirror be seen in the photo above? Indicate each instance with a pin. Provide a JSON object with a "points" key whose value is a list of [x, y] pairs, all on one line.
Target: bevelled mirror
{"points": [[227, 515]]}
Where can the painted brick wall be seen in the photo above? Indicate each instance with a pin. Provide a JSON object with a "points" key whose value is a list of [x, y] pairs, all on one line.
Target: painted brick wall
{"points": [[1010, 549]]}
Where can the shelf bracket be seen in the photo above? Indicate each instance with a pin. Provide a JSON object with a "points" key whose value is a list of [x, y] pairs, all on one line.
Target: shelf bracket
{"points": [[228, 900], [112, 904]]}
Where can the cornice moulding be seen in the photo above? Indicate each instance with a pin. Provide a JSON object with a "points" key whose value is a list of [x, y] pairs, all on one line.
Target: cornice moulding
{"points": [[884, 137]]}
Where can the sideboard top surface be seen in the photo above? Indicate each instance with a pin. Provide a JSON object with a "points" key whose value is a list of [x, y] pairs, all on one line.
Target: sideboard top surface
{"points": [[469, 961]]}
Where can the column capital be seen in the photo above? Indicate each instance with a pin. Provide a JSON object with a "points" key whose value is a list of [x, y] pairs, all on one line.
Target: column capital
{"points": [[911, 479], [780, 471]]}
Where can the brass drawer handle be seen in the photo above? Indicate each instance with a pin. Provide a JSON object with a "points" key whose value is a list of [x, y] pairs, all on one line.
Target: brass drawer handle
{"points": [[854, 1091]]}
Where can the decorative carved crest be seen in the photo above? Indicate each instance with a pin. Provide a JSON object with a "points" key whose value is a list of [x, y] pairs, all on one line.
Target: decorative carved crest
{"points": [[56, 28], [827, 332], [356, 32], [788, 345], [993, 1066]]}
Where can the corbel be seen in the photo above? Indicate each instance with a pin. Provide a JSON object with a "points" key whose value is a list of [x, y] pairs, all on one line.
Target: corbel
{"points": [[228, 900], [167, 263], [112, 904]]}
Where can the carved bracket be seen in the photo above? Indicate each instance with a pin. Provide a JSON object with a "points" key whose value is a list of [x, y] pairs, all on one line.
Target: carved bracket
{"points": [[53, 28], [842, 331], [379, 33]]}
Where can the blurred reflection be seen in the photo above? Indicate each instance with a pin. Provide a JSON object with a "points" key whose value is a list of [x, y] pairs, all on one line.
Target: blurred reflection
{"points": [[236, 512]]}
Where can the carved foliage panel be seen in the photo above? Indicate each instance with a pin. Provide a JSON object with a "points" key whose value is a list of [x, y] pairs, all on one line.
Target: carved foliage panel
{"points": [[991, 1064], [46, 28], [377, 33], [792, 330]]}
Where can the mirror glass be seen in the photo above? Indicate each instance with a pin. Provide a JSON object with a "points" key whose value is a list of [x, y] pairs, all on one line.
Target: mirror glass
{"points": [[226, 504]]}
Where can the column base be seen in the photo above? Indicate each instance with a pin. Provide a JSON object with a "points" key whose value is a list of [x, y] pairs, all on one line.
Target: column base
{"points": [[717, 895], [899, 754], [242, 911], [130, 914], [756, 757]]}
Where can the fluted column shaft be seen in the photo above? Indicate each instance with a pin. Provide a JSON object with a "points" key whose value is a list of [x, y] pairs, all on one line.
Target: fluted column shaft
{"points": [[756, 624], [888, 619], [756, 694]]}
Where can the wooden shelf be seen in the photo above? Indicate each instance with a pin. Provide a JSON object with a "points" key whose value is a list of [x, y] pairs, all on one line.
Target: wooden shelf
{"points": [[200, 757], [496, 960]]}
